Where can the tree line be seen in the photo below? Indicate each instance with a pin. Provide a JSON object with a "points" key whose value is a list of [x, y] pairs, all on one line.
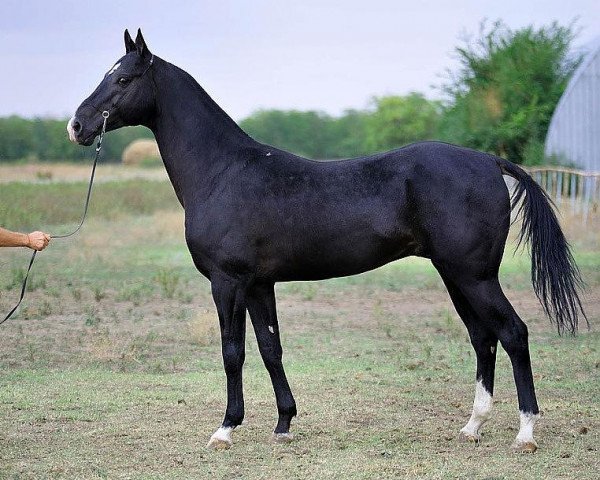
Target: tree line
{"points": [[46, 140], [500, 99]]}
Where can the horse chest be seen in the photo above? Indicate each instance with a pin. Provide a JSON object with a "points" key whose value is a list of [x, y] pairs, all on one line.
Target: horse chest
{"points": [[215, 243]]}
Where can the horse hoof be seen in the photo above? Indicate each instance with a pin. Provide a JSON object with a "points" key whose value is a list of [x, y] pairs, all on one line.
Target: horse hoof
{"points": [[469, 437], [221, 439], [283, 437], [525, 447], [219, 444]]}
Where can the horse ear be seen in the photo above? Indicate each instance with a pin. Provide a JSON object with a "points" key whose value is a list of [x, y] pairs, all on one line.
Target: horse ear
{"points": [[129, 43], [140, 44]]}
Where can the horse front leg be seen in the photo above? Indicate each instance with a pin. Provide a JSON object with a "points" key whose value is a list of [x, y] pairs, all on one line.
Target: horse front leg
{"points": [[262, 308], [229, 297]]}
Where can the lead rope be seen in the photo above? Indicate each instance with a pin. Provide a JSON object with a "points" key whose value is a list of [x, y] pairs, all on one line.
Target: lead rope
{"points": [[105, 115]]}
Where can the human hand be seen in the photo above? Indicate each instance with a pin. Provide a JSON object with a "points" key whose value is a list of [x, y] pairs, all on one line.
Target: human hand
{"points": [[38, 240]]}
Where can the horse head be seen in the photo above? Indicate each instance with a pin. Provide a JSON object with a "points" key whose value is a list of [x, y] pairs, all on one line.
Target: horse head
{"points": [[126, 92]]}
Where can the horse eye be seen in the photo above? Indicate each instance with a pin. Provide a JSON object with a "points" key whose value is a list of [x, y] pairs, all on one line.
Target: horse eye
{"points": [[123, 81]]}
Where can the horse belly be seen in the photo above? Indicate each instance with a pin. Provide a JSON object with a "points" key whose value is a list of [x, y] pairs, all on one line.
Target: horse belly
{"points": [[329, 253]]}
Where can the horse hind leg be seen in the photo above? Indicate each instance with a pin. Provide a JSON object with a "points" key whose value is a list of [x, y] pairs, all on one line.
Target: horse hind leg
{"points": [[493, 308], [485, 344]]}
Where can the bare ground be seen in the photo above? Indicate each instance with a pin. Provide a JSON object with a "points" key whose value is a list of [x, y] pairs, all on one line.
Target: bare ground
{"points": [[70, 172]]}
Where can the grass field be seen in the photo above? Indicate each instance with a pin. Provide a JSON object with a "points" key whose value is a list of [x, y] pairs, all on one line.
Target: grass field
{"points": [[112, 368]]}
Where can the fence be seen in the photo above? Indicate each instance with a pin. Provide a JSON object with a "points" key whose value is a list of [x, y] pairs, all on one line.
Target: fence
{"points": [[575, 190]]}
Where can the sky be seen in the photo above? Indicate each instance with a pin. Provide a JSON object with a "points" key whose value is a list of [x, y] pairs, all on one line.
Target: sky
{"points": [[309, 55]]}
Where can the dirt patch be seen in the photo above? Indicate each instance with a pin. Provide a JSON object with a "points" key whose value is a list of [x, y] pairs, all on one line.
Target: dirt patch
{"points": [[67, 172]]}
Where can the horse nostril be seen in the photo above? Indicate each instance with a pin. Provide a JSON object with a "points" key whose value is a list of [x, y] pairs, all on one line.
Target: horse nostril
{"points": [[76, 126]]}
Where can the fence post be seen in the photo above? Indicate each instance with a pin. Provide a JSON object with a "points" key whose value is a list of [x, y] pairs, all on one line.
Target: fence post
{"points": [[564, 184]]}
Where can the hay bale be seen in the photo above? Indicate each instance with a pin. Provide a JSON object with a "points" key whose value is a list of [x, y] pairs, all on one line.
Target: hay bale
{"points": [[142, 152]]}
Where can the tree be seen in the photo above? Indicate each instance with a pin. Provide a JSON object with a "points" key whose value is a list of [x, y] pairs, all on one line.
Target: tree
{"points": [[391, 122], [16, 138], [396, 121], [46, 139], [502, 97], [305, 133]]}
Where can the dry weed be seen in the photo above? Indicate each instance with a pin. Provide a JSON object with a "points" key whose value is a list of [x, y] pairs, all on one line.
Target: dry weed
{"points": [[203, 328]]}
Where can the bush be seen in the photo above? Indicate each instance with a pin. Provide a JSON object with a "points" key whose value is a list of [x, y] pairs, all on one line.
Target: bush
{"points": [[502, 97]]}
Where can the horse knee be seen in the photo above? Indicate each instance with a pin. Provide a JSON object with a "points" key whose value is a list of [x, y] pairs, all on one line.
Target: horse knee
{"points": [[272, 356], [233, 357]]}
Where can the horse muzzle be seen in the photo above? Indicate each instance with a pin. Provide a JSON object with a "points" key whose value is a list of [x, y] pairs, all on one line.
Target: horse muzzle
{"points": [[79, 134]]}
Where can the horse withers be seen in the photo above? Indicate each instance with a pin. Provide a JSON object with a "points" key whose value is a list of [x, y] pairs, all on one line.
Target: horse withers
{"points": [[256, 215]]}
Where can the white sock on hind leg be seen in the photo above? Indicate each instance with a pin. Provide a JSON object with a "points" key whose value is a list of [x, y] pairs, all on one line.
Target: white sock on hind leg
{"points": [[482, 406]]}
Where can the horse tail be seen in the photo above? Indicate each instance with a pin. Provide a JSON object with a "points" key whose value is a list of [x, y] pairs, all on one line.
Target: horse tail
{"points": [[554, 273]]}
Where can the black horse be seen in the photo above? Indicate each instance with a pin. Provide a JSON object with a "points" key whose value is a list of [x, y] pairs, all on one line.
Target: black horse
{"points": [[256, 215]]}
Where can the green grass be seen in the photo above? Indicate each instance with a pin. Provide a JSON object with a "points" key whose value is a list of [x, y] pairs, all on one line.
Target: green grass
{"points": [[108, 371], [26, 206], [366, 411]]}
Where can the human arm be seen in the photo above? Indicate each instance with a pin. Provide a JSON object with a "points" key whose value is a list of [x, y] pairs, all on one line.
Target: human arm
{"points": [[35, 240]]}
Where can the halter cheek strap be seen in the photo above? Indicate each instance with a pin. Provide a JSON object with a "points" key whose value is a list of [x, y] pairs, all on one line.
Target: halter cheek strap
{"points": [[114, 105]]}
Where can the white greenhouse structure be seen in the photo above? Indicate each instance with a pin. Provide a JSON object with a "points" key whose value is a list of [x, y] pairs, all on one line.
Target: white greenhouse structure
{"points": [[574, 132], [573, 140]]}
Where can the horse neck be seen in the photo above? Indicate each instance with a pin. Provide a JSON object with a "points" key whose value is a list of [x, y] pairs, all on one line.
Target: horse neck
{"points": [[196, 138]]}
